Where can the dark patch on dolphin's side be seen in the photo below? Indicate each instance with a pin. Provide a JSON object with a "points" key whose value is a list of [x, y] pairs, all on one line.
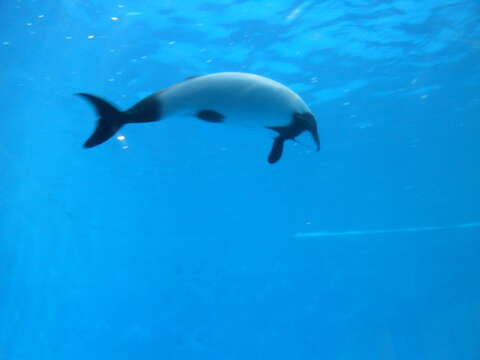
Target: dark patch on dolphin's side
{"points": [[210, 116]]}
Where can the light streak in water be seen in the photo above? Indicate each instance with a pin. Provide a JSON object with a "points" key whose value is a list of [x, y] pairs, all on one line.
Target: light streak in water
{"points": [[297, 11], [386, 231]]}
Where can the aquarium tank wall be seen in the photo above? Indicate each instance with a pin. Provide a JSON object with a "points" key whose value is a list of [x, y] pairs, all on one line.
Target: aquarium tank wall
{"points": [[176, 238]]}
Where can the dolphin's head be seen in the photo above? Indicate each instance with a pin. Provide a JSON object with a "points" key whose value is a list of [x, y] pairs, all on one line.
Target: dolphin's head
{"points": [[309, 124]]}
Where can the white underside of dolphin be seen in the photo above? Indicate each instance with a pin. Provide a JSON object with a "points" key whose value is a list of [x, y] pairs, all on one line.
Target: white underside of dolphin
{"points": [[228, 98]]}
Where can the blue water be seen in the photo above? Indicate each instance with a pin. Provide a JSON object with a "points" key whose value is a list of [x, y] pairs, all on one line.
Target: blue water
{"points": [[182, 242]]}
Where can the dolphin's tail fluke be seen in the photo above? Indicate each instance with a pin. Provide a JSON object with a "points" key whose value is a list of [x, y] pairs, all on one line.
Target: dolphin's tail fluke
{"points": [[110, 121]]}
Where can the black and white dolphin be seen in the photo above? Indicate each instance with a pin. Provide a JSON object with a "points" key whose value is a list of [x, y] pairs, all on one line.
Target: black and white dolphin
{"points": [[229, 97]]}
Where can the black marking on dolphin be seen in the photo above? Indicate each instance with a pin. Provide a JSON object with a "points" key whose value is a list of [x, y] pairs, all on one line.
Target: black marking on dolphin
{"points": [[109, 122], [299, 124], [111, 119], [210, 116], [268, 103]]}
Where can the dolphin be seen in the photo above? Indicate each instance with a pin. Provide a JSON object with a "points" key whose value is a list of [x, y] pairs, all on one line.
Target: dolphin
{"points": [[225, 98]]}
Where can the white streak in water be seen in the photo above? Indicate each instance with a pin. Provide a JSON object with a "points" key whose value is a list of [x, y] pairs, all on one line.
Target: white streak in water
{"points": [[297, 11], [387, 231]]}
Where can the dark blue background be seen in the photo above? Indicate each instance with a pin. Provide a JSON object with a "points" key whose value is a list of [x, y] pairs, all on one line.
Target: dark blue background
{"points": [[185, 246]]}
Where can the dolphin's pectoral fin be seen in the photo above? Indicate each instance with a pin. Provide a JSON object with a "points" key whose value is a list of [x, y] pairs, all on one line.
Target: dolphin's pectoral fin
{"points": [[210, 116], [282, 130], [277, 150]]}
